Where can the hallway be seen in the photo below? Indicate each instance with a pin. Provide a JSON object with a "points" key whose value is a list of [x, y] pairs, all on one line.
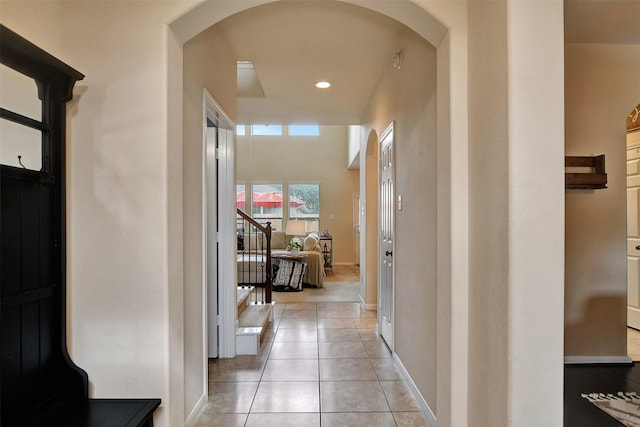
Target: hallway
{"points": [[321, 364]]}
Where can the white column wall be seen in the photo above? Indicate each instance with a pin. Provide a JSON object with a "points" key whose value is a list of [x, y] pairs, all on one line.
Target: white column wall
{"points": [[536, 212], [516, 215]]}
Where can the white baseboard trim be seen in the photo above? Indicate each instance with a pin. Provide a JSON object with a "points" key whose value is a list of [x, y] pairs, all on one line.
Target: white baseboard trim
{"points": [[431, 418], [366, 306], [581, 360], [197, 410]]}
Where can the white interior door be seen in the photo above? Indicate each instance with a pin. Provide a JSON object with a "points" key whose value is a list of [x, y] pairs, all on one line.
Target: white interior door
{"points": [[211, 235], [386, 238], [633, 237], [219, 231]]}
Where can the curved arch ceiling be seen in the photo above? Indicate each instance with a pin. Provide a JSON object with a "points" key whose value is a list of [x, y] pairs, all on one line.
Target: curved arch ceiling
{"points": [[292, 45]]}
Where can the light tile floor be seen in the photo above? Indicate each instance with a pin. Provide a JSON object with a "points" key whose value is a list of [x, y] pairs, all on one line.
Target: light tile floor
{"points": [[321, 364]]}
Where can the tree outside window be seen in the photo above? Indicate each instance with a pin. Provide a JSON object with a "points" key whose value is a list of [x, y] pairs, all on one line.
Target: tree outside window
{"points": [[304, 205]]}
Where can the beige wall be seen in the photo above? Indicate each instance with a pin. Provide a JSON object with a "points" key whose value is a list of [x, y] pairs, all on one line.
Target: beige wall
{"points": [[601, 89], [488, 222], [369, 200], [321, 160], [412, 109], [119, 304], [39, 19]]}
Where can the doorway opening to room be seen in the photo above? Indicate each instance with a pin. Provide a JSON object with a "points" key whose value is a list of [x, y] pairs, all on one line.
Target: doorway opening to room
{"points": [[378, 46], [633, 233]]}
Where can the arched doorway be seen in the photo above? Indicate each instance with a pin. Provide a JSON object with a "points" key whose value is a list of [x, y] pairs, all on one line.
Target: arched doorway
{"points": [[369, 283], [427, 27], [633, 233]]}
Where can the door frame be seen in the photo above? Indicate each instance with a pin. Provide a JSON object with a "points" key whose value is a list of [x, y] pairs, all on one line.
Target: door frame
{"points": [[388, 133], [633, 316], [225, 155]]}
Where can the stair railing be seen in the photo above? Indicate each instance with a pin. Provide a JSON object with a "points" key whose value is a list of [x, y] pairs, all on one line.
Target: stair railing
{"points": [[265, 253]]}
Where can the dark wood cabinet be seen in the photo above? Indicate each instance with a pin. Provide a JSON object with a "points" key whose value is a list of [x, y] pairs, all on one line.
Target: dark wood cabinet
{"points": [[41, 386]]}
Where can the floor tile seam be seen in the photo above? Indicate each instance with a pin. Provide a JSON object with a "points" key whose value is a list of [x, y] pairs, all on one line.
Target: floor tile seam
{"points": [[264, 367], [387, 399]]}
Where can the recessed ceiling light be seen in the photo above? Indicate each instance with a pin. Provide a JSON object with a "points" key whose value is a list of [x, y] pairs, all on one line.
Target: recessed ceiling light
{"points": [[323, 85]]}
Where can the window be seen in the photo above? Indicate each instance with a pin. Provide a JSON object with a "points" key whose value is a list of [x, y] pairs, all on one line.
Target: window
{"points": [[241, 130], [304, 205], [241, 197], [266, 130], [304, 130], [266, 204]]}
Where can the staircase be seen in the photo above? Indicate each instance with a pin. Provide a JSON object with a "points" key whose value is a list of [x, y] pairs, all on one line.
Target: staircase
{"points": [[252, 321]]}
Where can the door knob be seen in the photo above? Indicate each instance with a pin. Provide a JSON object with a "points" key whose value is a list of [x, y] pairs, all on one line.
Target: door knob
{"points": [[638, 248], [390, 253]]}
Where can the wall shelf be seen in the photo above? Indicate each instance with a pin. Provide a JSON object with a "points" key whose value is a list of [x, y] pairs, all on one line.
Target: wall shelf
{"points": [[594, 179]]}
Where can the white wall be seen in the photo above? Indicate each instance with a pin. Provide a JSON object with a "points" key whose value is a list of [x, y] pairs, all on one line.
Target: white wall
{"points": [[515, 211], [355, 138], [601, 89]]}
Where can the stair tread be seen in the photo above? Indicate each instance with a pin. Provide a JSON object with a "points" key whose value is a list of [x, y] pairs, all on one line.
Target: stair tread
{"points": [[243, 293], [254, 315]]}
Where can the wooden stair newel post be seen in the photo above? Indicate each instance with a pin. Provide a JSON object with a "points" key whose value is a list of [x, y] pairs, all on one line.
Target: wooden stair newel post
{"points": [[268, 285]]}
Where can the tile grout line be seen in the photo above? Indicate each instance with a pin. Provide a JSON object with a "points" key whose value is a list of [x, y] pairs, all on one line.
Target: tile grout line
{"points": [[319, 377]]}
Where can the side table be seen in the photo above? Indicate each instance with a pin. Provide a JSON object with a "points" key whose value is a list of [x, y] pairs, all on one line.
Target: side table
{"points": [[326, 244]]}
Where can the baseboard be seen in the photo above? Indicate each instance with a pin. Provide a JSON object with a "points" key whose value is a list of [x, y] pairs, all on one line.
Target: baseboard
{"points": [[365, 306], [197, 410], [598, 360], [431, 418]]}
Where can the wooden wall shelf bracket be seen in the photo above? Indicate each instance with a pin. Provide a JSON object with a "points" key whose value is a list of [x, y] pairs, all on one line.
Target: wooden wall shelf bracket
{"points": [[593, 180]]}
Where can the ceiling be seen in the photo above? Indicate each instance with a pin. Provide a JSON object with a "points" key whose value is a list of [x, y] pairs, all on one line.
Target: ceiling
{"points": [[294, 44]]}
